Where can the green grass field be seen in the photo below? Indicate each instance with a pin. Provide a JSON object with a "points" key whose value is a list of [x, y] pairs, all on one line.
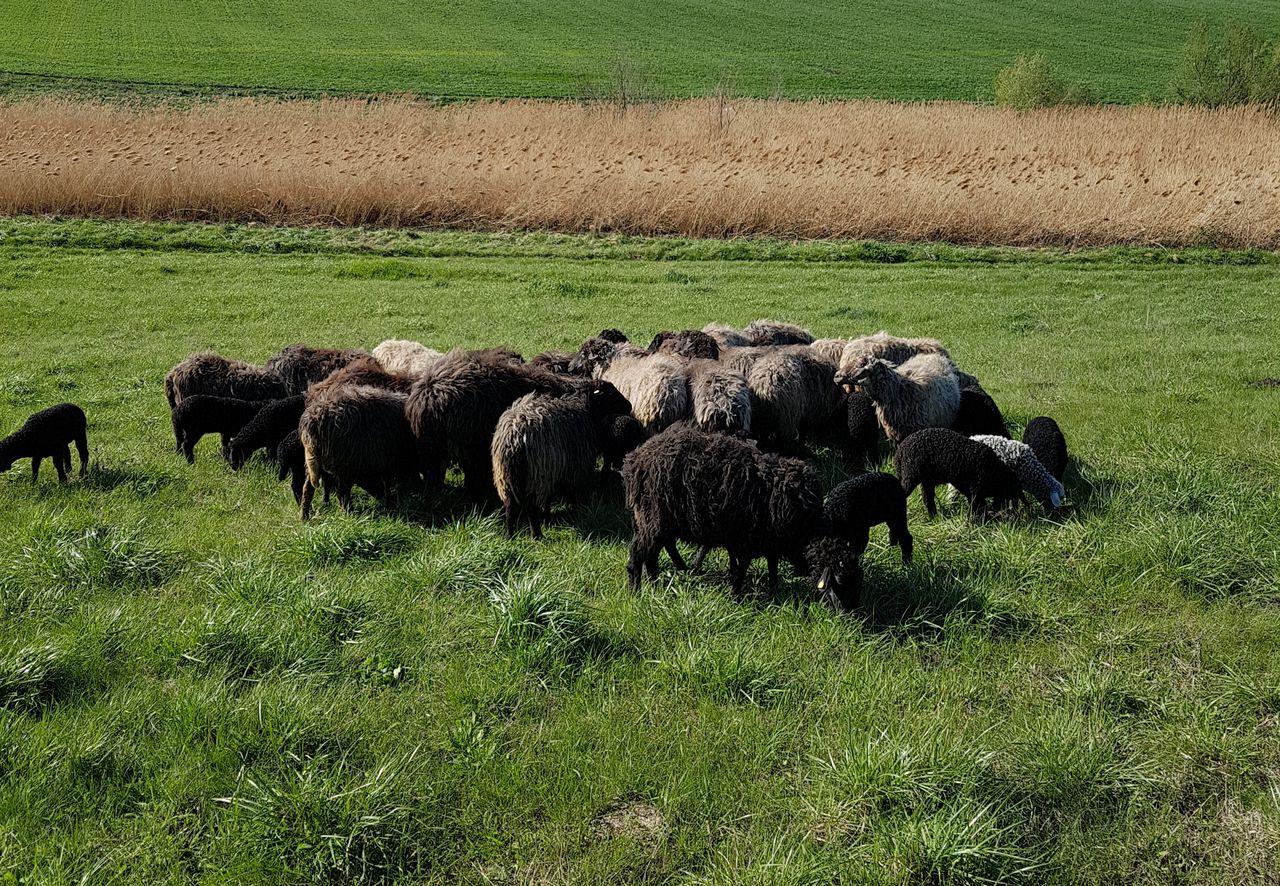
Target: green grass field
{"points": [[196, 687], [913, 50]]}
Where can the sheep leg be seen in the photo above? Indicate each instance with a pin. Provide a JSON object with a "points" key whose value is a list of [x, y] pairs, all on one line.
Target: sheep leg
{"points": [[304, 498], [738, 573], [82, 448], [189, 448], [860, 537], [35, 468], [699, 557], [637, 558], [61, 462], [297, 480], [344, 495], [534, 513], [226, 447], [902, 538], [509, 518], [677, 561], [773, 574], [930, 503]]}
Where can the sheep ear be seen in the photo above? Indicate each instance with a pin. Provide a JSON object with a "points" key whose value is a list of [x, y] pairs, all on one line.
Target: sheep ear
{"points": [[1055, 497], [824, 579]]}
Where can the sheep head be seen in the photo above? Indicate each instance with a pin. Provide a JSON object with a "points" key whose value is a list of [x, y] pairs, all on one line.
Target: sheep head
{"points": [[617, 336], [604, 399], [835, 572], [595, 354], [867, 369]]}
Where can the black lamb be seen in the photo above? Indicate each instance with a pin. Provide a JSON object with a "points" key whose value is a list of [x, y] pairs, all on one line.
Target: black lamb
{"points": [[862, 442], [867, 500], [49, 434], [292, 464], [203, 414], [619, 436], [272, 424], [1045, 438], [716, 490], [932, 456], [978, 414]]}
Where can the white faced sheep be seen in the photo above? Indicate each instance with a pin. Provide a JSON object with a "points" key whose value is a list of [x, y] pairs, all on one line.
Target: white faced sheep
{"points": [[1032, 475], [545, 447], [357, 436], [921, 393], [934, 456], [655, 384], [48, 433], [402, 355], [1044, 436], [716, 490]]}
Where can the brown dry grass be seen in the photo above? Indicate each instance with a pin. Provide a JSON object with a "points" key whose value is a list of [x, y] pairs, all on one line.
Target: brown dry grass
{"points": [[942, 171]]}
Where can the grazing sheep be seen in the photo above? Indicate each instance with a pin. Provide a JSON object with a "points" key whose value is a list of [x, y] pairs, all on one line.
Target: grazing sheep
{"points": [[553, 361], [49, 433], [613, 336], [793, 391], [1044, 436], [741, 360], [501, 354], [721, 398], [921, 393], [933, 456], [201, 414], [357, 436], [216, 376], [402, 355], [772, 332], [364, 371], [545, 447], [856, 505], [1032, 475], [654, 384], [291, 463], [272, 423], [978, 414], [863, 435], [834, 569], [455, 405], [300, 366], [716, 490], [619, 436], [689, 343], [889, 348], [726, 336]]}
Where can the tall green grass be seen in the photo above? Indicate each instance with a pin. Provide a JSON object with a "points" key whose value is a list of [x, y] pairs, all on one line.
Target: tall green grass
{"points": [[194, 686]]}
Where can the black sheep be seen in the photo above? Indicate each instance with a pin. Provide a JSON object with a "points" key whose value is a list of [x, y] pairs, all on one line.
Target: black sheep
{"points": [[978, 414], [1045, 438], [619, 435], [202, 414], [690, 343], [718, 491], [272, 424], [300, 366], [616, 336], [49, 434], [862, 443], [933, 456], [291, 463], [856, 505]]}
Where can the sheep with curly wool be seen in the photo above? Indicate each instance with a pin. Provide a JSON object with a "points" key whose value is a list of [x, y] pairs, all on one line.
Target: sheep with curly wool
{"points": [[545, 447], [717, 490], [271, 424], [300, 366], [793, 391], [829, 349], [291, 464], [557, 362], [201, 414], [861, 441], [1045, 438], [357, 436], [775, 333], [366, 371], [1033, 477], [921, 393], [978, 414], [720, 397], [49, 434], [726, 336], [656, 385], [620, 435], [613, 336], [868, 500], [455, 405], [403, 355], [689, 343], [931, 457], [210, 374]]}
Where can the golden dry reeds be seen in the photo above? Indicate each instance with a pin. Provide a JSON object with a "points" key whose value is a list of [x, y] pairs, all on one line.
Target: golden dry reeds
{"points": [[941, 171]]}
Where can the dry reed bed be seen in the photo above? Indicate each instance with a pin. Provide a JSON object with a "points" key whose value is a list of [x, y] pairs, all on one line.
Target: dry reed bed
{"points": [[940, 171]]}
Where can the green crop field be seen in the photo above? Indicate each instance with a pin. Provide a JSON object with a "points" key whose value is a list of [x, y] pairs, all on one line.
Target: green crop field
{"points": [[883, 49], [194, 686]]}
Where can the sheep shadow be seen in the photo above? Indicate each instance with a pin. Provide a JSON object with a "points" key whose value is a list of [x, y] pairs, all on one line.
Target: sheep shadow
{"points": [[917, 602]]}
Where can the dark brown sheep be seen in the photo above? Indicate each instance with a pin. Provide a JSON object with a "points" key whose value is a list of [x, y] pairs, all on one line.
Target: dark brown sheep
{"points": [[300, 366], [217, 376], [363, 371], [49, 433]]}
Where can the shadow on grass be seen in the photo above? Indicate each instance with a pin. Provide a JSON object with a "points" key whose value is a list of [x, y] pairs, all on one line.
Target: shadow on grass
{"points": [[131, 478]]}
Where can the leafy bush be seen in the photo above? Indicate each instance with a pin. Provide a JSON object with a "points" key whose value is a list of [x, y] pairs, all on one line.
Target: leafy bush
{"points": [[1030, 82], [1234, 67]]}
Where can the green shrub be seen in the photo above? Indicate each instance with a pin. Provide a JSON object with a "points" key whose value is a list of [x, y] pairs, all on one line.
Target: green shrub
{"points": [[1234, 67], [1030, 82]]}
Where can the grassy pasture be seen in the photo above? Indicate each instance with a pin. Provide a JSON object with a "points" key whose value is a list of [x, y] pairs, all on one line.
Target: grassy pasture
{"points": [[193, 686], [876, 48]]}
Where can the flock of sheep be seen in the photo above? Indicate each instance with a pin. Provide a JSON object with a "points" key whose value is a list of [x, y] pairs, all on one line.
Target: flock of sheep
{"points": [[709, 428]]}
